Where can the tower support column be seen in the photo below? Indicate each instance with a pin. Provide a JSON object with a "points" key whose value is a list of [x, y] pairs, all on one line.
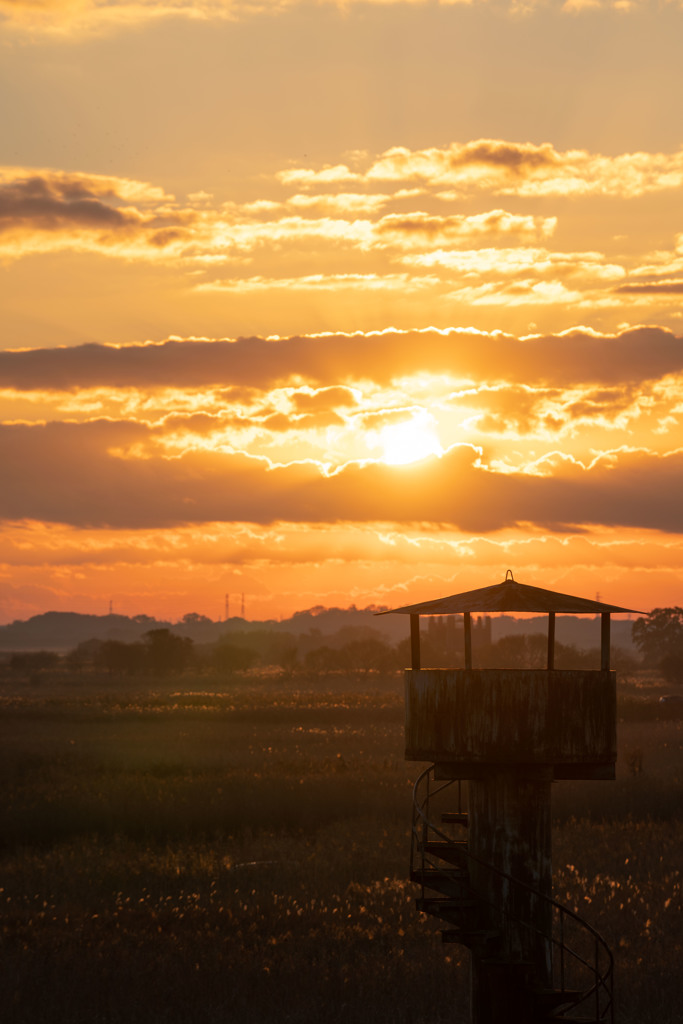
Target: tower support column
{"points": [[510, 837]]}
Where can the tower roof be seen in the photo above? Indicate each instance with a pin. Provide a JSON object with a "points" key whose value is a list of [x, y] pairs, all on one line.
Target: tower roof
{"points": [[510, 596]]}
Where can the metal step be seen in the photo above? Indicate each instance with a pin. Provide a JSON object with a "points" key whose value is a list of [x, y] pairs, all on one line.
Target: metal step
{"points": [[455, 818], [449, 882], [549, 999], [471, 936], [432, 904], [452, 852], [461, 913], [449, 871]]}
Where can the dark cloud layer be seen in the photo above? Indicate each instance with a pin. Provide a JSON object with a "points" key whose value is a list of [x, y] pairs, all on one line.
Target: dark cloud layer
{"points": [[661, 288], [642, 354], [49, 205], [515, 157], [43, 208], [107, 473]]}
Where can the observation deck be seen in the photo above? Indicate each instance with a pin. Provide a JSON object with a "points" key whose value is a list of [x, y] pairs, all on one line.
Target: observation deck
{"points": [[474, 722]]}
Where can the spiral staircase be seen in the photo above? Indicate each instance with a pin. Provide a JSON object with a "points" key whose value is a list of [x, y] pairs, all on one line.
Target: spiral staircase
{"points": [[577, 986]]}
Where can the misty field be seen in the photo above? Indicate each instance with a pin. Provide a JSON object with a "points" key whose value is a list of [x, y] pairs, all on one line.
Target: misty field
{"points": [[204, 851]]}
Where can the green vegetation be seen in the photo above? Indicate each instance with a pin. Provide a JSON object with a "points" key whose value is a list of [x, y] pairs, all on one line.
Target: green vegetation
{"points": [[234, 849]]}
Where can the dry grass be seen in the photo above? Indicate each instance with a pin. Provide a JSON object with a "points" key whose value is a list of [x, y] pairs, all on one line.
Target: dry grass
{"points": [[237, 853]]}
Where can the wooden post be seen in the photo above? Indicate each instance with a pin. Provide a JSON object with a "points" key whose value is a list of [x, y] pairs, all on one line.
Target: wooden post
{"points": [[604, 641], [415, 642], [467, 616], [551, 641]]}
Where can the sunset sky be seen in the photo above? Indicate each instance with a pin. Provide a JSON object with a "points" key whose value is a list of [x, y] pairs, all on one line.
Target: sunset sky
{"points": [[335, 303]]}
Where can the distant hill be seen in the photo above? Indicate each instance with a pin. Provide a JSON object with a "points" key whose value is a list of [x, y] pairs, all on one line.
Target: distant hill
{"points": [[62, 631]]}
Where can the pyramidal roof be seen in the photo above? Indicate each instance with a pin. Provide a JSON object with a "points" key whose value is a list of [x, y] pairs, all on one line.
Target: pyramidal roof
{"points": [[510, 596]]}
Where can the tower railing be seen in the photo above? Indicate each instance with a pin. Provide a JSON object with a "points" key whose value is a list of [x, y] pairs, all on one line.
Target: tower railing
{"points": [[581, 959]]}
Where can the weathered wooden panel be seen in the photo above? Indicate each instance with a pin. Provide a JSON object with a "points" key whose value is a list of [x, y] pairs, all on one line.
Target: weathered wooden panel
{"points": [[511, 717]]}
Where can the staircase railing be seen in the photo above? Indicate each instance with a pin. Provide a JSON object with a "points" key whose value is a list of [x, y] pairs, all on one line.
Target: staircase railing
{"points": [[593, 959]]}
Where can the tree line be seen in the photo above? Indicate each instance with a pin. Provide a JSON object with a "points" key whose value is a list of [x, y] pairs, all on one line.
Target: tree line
{"points": [[358, 650]]}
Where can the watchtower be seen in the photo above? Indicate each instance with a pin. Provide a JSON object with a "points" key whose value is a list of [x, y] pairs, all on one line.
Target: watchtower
{"points": [[509, 733]]}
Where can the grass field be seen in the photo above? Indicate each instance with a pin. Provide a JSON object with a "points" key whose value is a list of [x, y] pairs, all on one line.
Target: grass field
{"points": [[200, 851]]}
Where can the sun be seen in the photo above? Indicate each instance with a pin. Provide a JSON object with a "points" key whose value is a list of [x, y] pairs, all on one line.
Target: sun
{"points": [[409, 441]]}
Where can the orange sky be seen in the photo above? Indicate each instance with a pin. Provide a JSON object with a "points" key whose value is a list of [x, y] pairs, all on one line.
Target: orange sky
{"points": [[339, 303]]}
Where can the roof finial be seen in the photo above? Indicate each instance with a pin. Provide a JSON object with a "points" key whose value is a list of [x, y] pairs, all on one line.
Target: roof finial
{"points": [[509, 578]]}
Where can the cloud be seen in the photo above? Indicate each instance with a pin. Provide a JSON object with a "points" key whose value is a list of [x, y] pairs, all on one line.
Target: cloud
{"points": [[335, 244], [340, 203], [508, 168], [519, 410], [494, 277], [406, 230], [27, 543], [513, 262], [230, 429], [108, 474], [324, 399], [45, 211], [520, 276], [393, 231], [651, 288], [322, 282], [97, 16], [334, 360]]}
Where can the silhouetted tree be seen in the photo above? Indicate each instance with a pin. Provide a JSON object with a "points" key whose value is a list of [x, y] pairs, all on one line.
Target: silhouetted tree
{"points": [[166, 652], [569, 656], [114, 656], [84, 655], [322, 660], [34, 661], [369, 655], [659, 638], [442, 642], [518, 650], [622, 660], [227, 657], [282, 650]]}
